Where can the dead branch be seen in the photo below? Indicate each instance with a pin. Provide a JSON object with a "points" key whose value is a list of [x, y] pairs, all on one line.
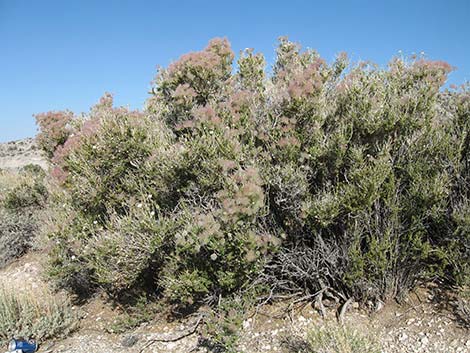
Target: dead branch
{"points": [[174, 339], [343, 310]]}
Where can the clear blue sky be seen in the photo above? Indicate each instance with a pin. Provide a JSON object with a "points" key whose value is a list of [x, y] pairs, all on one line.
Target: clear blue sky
{"points": [[58, 54]]}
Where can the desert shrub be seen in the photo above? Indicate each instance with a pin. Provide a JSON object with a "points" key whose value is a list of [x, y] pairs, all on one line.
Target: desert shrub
{"points": [[115, 172], [26, 189], [16, 233], [375, 154], [26, 194], [33, 169], [350, 180], [22, 198], [23, 314], [189, 200], [194, 80], [54, 130], [332, 339], [219, 249], [223, 325]]}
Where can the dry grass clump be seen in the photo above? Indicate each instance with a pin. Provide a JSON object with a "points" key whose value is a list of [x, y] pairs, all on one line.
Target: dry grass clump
{"points": [[332, 339], [32, 314]]}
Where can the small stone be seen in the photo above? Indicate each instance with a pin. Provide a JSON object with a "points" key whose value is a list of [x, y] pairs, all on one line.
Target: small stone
{"points": [[424, 340], [171, 345], [129, 341]]}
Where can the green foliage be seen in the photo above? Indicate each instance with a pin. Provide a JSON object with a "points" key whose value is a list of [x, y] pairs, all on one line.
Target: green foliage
{"points": [[22, 196], [223, 325], [33, 169], [344, 176], [16, 233], [143, 309], [25, 195]]}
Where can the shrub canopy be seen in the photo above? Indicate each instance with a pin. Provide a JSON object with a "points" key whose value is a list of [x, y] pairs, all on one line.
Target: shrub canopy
{"points": [[347, 178]]}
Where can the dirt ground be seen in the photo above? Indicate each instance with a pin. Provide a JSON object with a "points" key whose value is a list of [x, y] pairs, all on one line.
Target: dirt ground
{"points": [[422, 323]]}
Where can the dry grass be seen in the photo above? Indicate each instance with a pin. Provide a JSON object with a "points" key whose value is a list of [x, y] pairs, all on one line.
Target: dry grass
{"points": [[39, 315], [332, 339]]}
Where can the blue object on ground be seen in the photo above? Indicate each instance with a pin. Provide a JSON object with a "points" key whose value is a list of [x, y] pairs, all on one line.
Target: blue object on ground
{"points": [[26, 346]]}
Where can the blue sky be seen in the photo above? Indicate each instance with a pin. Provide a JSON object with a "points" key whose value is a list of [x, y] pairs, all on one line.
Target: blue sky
{"points": [[58, 54]]}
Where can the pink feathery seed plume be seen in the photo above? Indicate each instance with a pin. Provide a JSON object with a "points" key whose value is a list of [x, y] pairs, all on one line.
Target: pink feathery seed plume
{"points": [[59, 174]]}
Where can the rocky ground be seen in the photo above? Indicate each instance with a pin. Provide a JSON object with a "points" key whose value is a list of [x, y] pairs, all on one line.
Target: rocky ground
{"points": [[17, 154], [422, 323]]}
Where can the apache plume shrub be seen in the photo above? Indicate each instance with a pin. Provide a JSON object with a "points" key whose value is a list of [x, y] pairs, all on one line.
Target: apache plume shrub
{"points": [[54, 130], [349, 179]]}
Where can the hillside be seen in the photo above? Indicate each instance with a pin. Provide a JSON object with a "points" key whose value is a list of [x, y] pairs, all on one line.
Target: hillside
{"points": [[17, 154]]}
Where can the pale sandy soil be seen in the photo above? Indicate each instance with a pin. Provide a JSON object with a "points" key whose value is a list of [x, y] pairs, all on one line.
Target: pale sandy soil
{"points": [[17, 154]]}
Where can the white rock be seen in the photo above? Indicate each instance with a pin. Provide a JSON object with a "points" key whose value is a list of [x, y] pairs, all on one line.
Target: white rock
{"points": [[171, 345]]}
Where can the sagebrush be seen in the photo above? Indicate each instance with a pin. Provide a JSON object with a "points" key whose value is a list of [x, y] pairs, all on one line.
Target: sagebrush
{"points": [[24, 314], [23, 195]]}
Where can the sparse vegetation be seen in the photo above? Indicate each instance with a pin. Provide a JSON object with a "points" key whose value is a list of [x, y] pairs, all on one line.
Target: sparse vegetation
{"points": [[332, 339], [27, 314]]}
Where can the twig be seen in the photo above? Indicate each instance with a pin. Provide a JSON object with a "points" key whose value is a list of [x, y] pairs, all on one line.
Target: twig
{"points": [[343, 310], [174, 339], [319, 301]]}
